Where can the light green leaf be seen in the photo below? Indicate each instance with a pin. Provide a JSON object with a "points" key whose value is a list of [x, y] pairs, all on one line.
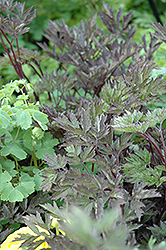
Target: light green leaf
{"points": [[7, 164], [22, 190], [13, 148], [41, 119], [6, 190], [27, 182], [5, 177], [10, 193], [5, 119], [42, 151], [48, 141], [74, 120], [38, 181], [15, 195], [23, 119], [27, 140], [70, 149]]}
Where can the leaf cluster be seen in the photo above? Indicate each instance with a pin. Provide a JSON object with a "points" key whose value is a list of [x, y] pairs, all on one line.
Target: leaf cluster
{"points": [[22, 128]]}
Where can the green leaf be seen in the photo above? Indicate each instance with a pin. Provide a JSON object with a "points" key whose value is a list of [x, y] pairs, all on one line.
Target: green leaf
{"points": [[14, 195], [62, 192], [54, 209], [7, 164], [6, 190], [41, 119], [73, 150], [138, 169], [10, 193], [13, 148], [5, 176], [48, 141], [74, 121], [27, 140], [5, 119], [27, 183], [23, 190], [37, 180], [23, 119], [137, 121], [42, 151]]}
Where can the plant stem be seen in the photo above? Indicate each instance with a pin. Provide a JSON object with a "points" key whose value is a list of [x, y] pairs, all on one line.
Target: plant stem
{"points": [[16, 134], [162, 138], [49, 96], [86, 169], [36, 63], [162, 212], [98, 89], [81, 57], [15, 59], [34, 156], [20, 66], [11, 60], [34, 69], [98, 152], [93, 167], [152, 141], [17, 166]]}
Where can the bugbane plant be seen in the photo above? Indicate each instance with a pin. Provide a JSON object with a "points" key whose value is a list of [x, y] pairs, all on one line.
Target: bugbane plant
{"points": [[104, 150]]}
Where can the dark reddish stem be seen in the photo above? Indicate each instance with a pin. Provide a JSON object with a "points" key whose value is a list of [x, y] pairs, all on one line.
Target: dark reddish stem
{"points": [[98, 89], [98, 152], [49, 95], [20, 66], [34, 69], [81, 57], [152, 141], [14, 66], [7, 227], [86, 169], [93, 167], [162, 139], [15, 59], [17, 66], [151, 150], [36, 63], [60, 98], [162, 212]]}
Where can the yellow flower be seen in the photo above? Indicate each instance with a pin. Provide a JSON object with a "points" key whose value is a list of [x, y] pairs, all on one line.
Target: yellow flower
{"points": [[8, 244]]}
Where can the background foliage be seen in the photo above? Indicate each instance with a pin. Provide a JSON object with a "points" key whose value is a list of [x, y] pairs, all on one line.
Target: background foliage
{"points": [[73, 11]]}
